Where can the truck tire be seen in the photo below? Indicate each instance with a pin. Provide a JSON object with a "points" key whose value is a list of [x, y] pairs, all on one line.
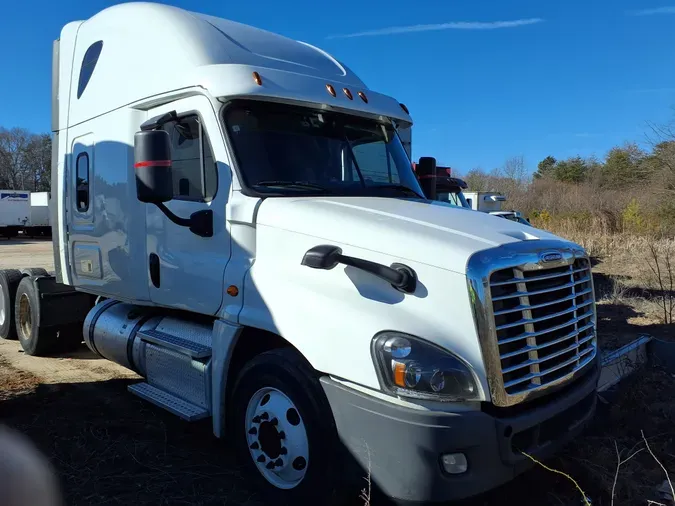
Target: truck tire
{"points": [[34, 271], [35, 337], [291, 446], [9, 281]]}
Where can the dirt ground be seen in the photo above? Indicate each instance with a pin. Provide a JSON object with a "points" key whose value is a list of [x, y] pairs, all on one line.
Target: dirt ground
{"points": [[109, 447], [19, 253]]}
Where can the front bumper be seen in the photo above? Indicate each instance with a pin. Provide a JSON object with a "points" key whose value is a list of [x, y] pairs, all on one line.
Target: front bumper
{"points": [[402, 447]]}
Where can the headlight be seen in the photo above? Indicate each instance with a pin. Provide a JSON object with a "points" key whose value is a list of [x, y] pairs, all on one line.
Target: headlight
{"points": [[411, 367]]}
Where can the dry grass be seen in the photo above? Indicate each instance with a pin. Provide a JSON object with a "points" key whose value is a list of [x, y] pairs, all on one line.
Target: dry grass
{"points": [[631, 272], [641, 418]]}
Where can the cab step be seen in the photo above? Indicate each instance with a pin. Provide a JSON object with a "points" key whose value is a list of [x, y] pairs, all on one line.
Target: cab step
{"points": [[178, 344], [179, 407]]}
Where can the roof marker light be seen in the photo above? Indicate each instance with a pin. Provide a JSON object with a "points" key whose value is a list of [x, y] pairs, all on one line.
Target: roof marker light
{"points": [[257, 79], [330, 89], [363, 97], [404, 108], [348, 93]]}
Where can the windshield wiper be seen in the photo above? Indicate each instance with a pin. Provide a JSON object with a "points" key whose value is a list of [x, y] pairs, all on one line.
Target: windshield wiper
{"points": [[294, 184], [399, 187]]}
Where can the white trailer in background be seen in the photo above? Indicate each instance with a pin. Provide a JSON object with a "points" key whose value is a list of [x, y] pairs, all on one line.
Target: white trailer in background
{"points": [[38, 223], [14, 211], [484, 201], [265, 258]]}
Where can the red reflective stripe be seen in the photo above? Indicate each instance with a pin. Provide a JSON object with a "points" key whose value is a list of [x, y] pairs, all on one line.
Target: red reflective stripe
{"points": [[428, 177], [157, 163]]}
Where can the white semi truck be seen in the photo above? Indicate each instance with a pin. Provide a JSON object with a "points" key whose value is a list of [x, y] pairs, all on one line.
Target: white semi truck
{"points": [[236, 220]]}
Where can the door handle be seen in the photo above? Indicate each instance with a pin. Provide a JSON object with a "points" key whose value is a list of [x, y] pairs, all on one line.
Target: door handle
{"points": [[153, 263]]}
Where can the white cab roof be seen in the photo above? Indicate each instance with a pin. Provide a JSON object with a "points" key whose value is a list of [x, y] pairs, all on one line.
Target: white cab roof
{"points": [[149, 49]]}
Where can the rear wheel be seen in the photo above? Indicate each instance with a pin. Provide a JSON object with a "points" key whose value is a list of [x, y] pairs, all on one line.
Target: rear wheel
{"points": [[35, 337], [9, 281], [284, 431], [34, 271]]}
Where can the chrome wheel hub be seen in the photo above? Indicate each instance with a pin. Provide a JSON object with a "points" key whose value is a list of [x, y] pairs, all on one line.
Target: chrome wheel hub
{"points": [[277, 438]]}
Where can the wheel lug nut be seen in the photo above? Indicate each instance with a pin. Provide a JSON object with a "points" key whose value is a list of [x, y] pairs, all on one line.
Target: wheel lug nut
{"points": [[261, 458], [253, 431], [283, 451], [256, 419], [270, 465], [274, 421], [282, 435], [255, 445], [278, 462], [264, 416]]}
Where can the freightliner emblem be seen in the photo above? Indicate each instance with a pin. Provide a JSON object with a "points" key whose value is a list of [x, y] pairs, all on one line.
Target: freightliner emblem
{"points": [[552, 256]]}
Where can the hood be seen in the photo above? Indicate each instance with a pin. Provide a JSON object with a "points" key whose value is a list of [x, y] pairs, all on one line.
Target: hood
{"points": [[427, 232]]}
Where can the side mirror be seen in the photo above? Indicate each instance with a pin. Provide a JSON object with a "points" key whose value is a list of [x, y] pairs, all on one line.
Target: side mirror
{"points": [[426, 172], [152, 163]]}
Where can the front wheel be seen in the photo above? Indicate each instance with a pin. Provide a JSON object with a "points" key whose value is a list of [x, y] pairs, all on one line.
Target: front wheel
{"points": [[284, 430]]}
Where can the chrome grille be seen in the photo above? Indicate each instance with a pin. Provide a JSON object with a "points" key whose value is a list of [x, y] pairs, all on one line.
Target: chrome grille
{"points": [[544, 320]]}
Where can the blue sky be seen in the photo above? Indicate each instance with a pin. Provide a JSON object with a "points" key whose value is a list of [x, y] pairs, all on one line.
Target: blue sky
{"points": [[484, 80]]}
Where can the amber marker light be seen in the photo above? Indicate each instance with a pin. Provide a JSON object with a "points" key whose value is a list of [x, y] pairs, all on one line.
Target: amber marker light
{"points": [[399, 374], [232, 291], [330, 89], [348, 93], [257, 79], [363, 97]]}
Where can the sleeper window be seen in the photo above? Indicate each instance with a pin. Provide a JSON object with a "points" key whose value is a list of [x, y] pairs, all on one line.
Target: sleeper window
{"points": [[82, 183], [192, 164], [88, 64]]}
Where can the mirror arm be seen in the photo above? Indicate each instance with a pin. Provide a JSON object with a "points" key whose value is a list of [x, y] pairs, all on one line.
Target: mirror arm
{"points": [[326, 257], [200, 223], [181, 222]]}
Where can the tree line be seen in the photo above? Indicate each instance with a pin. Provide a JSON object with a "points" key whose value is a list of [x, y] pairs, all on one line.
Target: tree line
{"points": [[630, 187], [25, 160]]}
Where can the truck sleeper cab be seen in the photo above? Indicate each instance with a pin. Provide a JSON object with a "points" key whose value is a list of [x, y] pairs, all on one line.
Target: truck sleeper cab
{"points": [[260, 251]]}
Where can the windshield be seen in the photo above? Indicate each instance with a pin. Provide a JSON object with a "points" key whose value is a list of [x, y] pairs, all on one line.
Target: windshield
{"points": [[453, 198], [287, 150]]}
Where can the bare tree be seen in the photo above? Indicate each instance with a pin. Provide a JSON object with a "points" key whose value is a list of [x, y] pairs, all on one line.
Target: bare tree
{"points": [[24, 160], [13, 145], [38, 162], [514, 169]]}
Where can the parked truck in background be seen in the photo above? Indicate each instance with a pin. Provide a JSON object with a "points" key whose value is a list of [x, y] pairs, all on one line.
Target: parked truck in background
{"points": [[484, 201], [241, 226]]}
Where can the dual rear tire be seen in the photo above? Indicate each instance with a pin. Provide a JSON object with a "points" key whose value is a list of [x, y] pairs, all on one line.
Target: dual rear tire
{"points": [[9, 282], [21, 316]]}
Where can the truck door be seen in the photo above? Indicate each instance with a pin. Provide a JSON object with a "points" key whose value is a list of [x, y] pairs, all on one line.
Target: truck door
{"points": [[185, 270]]}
